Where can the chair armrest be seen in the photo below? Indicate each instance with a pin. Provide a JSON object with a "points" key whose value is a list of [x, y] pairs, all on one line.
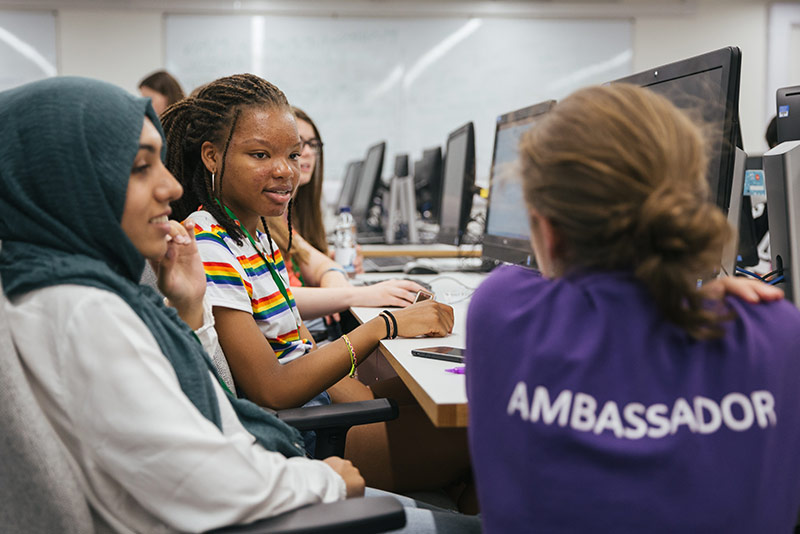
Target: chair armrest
{"points": [[340, 415], [362, 515]]}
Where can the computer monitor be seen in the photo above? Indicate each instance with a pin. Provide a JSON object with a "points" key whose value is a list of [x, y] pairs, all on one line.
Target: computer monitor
{"points": [[708, 86], [351, 176], [458, 185], [368, 184], [506, 238], [428, 184], [788, 121]]}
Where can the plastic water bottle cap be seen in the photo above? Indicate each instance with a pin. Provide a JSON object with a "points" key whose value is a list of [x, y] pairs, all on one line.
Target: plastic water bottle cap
{"points": [[344, 209]]}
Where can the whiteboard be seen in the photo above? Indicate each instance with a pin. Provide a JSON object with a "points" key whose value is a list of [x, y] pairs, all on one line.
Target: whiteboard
{"points": [[27, 47], [406, 81]]}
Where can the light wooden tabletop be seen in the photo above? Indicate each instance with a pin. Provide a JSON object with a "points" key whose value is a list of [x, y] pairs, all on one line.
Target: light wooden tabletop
{"points": [[441, 394]]}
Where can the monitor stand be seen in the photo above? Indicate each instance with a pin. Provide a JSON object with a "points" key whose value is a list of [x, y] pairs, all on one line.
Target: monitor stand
{"points": [[402, 210], [782, 177]]}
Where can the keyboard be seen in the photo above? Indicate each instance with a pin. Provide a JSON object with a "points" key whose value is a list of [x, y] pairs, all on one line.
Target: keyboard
{"points": [[385, 264]]}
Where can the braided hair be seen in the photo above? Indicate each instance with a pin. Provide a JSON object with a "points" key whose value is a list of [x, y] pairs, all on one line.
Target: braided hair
{"points": [[281, 241], [211, 115]]}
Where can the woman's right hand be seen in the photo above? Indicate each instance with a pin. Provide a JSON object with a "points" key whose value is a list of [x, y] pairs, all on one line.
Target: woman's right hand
{"points": [[181, 277], [353, 480], [427, 318]]}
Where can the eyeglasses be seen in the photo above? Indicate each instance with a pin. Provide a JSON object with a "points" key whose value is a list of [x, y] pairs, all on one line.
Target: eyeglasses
{"points": [[314, 144]]}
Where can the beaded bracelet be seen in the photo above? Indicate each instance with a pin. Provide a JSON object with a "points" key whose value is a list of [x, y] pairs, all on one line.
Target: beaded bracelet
{"points": [[353, 359]]}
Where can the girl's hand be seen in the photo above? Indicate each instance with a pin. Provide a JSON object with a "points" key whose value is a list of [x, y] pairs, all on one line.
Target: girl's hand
{"points": [[180, 273], [747, 289], [395, 293], [427, 318], [353, 480]]}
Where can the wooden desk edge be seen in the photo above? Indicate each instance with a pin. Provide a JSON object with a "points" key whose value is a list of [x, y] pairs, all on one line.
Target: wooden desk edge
{"points": [[442, 415]]}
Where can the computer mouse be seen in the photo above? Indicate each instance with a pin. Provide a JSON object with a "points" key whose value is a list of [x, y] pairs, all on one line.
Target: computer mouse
{"points": [[414, 267]]}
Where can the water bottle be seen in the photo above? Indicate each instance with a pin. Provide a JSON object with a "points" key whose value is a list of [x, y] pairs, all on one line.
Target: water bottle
{"points": [[345, 241]]}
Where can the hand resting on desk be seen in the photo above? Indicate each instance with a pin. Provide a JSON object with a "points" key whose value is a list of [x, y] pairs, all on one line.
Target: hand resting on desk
{"points": [[427, 318]]}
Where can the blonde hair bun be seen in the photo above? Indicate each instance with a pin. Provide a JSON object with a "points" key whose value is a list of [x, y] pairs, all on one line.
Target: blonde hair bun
{"points": [[620, 172]]}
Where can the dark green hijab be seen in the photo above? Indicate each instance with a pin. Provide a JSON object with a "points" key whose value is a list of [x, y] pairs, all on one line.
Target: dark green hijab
{"points": [[67, 149]]}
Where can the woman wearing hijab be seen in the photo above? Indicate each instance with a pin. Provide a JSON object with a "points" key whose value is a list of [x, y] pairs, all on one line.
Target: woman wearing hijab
{"points": [[126, 384]]}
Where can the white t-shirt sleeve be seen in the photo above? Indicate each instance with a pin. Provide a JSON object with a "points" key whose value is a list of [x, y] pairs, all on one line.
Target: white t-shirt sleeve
{"points": [[227, 283], [125, 404]]}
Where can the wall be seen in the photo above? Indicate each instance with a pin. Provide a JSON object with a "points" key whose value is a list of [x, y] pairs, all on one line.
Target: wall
{"points": [[118, 46], [715, 24], [680, 30]]}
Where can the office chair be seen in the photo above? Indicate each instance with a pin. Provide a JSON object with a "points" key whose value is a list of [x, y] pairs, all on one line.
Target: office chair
{"points": [[39, 491]]}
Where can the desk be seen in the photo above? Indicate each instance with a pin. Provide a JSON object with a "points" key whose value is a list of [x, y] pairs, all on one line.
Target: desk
{"points": [[442, 395], [431, 250]]}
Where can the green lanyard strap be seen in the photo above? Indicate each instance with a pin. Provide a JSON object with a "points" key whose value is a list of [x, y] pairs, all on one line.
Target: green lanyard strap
{"points": [[275, 276]]}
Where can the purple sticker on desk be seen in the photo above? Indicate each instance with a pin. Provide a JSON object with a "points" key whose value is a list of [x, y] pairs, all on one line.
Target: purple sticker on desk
{"points": [[456, 370]]}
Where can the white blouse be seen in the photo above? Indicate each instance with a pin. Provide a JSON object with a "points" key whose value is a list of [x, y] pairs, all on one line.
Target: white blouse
{"points": [[147, 458]]}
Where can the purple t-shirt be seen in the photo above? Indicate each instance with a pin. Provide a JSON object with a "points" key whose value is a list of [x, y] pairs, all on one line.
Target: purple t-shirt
{"points": [[589, 412]]}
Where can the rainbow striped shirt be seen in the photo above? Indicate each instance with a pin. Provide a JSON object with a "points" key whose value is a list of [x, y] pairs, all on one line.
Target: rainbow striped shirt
{"points": [[238, 278]]}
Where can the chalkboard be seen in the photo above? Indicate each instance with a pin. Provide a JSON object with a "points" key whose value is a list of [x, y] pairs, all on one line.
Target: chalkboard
{"points": [[27, 47], [408, 81]]}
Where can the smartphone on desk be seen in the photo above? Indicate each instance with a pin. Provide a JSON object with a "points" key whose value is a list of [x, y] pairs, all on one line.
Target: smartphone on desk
{"points": [[448, 354], [422, 295]]}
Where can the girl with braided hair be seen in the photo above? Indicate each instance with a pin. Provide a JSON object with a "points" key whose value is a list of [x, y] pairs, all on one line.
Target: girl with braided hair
{"points": [[157, 442], [632, 400], [235, 149]]}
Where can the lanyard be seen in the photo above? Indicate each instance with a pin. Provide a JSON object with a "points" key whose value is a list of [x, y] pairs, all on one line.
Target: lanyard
{"points": [[275, 276]]}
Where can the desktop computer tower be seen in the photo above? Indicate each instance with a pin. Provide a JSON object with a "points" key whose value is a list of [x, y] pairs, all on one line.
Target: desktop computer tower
{"points": [[782, 177]]}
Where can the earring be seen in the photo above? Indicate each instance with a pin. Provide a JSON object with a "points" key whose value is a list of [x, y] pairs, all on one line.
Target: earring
{"points": [[212, 182]]}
